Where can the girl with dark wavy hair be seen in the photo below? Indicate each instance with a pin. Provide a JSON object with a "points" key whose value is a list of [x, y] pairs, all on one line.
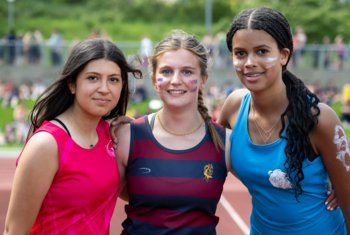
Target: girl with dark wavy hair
{"points": [[67, 180], [285, 144]]}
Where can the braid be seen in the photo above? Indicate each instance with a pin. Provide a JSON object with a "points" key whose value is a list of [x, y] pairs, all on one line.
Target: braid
{"points": [[203, 110], [301, 113]]}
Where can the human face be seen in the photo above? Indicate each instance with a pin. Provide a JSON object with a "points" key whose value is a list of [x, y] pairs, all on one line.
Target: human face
{"points": [[98, 87], [257, 58], [178, 77]]}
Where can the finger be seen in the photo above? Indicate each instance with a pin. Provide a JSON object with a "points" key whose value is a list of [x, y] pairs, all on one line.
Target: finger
{"points": [[332, 204]]}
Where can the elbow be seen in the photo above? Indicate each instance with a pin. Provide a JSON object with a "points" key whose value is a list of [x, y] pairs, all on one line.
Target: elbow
{"points": [[14, 230]]}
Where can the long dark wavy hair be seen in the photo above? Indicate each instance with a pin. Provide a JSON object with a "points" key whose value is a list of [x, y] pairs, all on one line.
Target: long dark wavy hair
{"points": [[57, 97], [302, 111]]}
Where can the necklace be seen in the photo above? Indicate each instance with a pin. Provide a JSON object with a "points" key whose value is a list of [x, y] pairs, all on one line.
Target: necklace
{"points": [[178, 134], [264, 134]]}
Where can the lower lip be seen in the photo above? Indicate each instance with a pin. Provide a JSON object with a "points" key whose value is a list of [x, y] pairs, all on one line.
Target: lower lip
{"points": [[252, 79], [101, 102]]}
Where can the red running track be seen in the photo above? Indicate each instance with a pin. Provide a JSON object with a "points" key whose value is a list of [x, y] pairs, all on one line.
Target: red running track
{"points": [[233, 210]]}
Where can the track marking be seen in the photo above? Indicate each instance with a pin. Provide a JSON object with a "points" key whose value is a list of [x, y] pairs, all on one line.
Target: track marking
{"points": [[234, 215]]}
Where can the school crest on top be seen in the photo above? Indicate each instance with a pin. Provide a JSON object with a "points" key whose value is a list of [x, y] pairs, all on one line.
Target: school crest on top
{"points": [[208, 172]]}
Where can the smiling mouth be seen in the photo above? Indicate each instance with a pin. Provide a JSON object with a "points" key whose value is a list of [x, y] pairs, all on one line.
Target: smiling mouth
{"points": [[176, 92]]}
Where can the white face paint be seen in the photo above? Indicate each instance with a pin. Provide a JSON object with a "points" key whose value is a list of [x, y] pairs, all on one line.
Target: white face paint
{"points": [[237, 64], [270, 62], [265, 62], [343, 151]]}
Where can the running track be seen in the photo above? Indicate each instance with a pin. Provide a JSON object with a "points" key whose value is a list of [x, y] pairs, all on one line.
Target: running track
{"points": [[233, 209]]}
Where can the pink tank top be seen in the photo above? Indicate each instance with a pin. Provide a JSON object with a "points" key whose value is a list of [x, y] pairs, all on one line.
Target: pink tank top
{"points": [[84, 191]]}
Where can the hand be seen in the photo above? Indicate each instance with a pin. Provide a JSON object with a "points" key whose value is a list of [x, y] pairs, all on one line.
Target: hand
{"points": [[331, 201], [115, 124]]}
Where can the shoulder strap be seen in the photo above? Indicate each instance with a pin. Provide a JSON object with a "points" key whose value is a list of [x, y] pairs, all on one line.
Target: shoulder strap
{"points": [[63, 125]]}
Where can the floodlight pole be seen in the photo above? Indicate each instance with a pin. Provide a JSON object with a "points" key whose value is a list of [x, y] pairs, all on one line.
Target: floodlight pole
{"points": [[208, 15], [11, 12]]}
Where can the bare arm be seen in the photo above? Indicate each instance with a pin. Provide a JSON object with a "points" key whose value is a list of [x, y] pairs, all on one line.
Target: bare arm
{"points": [[230, 108], [33, 177], [332, 144], [122, 133]]}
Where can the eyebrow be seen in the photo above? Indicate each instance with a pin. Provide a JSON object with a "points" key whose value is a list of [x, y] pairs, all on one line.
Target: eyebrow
{"points": [[259, 46], [96, 73]]}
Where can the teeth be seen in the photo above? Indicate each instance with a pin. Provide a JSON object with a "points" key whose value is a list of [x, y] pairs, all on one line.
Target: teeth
{"points": [[176, 92], [253, 74]]}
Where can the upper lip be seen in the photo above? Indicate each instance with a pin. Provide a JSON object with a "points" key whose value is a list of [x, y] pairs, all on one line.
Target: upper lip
{"points": [[252, 73]]}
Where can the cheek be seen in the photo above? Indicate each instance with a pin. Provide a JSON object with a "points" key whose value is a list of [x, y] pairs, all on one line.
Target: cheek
{"points": [[237, 65], [161, 82], [269, 62], [192, 85]]}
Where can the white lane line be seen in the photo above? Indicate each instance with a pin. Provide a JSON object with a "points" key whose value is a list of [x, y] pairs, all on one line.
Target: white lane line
{"points": [[234, 215]]}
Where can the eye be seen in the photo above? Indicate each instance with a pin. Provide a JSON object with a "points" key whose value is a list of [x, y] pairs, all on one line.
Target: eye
{"points": [[115, 79], [92, 78], [166, 72], [187, 72], [239, 54], [263, 51]]}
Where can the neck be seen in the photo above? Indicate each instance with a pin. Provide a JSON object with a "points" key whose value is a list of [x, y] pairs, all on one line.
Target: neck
{"points": [[179, 124]]}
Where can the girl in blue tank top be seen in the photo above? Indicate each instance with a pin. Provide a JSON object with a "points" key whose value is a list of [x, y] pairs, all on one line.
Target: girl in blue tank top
{"points": [[285, 145]]}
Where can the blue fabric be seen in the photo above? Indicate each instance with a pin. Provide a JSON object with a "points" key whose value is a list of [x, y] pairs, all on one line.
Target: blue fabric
{"points": [[276, 211]]}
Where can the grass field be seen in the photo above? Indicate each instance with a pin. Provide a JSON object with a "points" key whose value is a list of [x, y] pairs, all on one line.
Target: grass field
{"points": [[133, 109]]}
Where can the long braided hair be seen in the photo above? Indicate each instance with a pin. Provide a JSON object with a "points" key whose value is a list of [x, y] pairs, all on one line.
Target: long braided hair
{"points": [[179, 39], [302, 111]]}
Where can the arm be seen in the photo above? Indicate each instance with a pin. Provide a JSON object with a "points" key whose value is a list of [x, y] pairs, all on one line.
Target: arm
{"points": [[122, 134], [33, 177], [230, 108], [330, 142]]}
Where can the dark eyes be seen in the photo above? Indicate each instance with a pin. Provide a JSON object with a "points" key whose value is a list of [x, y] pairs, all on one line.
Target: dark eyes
{"points": [[241, 54]]}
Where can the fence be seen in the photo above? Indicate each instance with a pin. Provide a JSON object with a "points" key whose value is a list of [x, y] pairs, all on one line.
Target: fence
{"points": [[313, 56]]}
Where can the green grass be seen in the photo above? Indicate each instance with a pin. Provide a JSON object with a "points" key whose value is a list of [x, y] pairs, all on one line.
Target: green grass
{"points": [[133, 109]]}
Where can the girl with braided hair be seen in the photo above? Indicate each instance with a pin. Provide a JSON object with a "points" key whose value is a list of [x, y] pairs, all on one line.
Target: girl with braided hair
{"points": [[174, 160], [285, 144]]}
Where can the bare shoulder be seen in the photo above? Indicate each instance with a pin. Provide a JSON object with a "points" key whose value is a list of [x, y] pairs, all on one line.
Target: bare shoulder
{"points": [[40, 150], [325, 129], [231, 107], [327, 118]]}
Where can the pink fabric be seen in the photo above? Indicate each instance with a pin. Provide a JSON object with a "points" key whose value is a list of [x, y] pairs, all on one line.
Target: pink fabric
{"points": [[84, 191]]}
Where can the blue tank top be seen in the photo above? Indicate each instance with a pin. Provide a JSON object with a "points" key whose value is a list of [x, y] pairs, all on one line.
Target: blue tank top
{"points": [[275, 208], [172, 191]]}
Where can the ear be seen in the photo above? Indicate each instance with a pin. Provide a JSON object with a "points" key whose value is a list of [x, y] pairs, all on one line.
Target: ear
{"points": [[204, 80], [71, 87], [285, 53]]}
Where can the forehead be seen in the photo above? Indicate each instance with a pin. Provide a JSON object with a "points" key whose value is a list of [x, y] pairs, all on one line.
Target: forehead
{"points": [[178, 58], [247, 38], [101, 65]]}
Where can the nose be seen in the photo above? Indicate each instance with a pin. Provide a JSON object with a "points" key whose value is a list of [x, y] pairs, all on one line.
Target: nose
{"points": [[103, 86], [250, 60], [176, 78]]}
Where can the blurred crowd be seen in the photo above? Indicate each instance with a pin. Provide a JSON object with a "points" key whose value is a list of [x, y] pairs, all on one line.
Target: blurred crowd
{"points": [[28, 48], [17, 49]]}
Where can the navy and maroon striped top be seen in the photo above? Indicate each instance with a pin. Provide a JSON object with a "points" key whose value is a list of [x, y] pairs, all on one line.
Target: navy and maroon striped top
{"points": [[172, 191]]}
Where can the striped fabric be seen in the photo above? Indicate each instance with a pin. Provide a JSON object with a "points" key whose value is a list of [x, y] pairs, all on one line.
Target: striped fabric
{"points": [[172, 191]]}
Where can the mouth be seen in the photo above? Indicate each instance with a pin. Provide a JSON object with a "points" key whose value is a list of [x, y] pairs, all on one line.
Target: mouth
{"points": [[253, 76], [101, 100], [176, 92]]}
